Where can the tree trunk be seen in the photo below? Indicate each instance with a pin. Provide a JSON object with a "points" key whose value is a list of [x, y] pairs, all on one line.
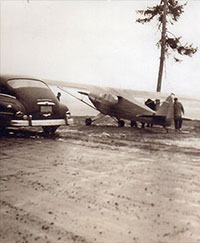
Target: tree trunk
{"points": [[163, 44]]}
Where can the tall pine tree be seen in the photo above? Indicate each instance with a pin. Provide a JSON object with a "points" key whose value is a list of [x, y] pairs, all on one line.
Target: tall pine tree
{"points": [[167, 12]]}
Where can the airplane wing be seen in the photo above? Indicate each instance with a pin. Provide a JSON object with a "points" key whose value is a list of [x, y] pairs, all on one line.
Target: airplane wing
{"points": [[86, 87], [191, 104], [127, 93]]}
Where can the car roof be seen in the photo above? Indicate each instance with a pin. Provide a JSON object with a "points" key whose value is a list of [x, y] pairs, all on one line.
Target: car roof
{"points": [[5, 78]]}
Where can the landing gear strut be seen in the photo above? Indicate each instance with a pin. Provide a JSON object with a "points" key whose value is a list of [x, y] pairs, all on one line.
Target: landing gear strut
{"points": [[89, 121]]}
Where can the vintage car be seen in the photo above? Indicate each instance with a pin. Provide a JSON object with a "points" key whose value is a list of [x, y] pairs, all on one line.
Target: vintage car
{"points": [[28, 102]]}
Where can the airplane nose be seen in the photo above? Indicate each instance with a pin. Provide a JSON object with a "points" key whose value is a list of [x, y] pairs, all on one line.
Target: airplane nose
{"points": [[103, 98], [93, 97]]}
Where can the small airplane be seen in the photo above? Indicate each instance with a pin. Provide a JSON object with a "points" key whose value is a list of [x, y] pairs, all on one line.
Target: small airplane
{"points": [[121, 104], [121, 109]]}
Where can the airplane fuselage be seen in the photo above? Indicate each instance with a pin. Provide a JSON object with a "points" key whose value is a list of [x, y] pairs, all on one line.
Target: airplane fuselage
{"points": [[121, 108]]}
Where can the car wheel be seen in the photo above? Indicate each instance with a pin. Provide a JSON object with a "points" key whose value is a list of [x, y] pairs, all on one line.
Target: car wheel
{"points": [[88, 121], [2, 130], [121, 123], [50, 129], [133, 124]]}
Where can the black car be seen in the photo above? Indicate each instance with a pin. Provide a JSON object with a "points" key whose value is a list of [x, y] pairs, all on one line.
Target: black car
{"points": [[28, 102]]}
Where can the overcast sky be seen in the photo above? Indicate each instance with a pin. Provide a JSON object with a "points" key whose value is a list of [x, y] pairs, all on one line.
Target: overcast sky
{"points": [[96, 42]]}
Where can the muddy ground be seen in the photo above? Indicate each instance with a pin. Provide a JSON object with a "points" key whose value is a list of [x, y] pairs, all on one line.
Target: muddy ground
{"points": [[100, 184]]}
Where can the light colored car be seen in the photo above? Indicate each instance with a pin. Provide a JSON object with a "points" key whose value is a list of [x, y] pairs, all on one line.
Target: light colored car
{"points": [[27, 102]]}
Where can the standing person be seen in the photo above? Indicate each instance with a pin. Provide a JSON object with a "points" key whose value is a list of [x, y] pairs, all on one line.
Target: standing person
{"points": [[157, 104], [58, 96], [178, 111]]}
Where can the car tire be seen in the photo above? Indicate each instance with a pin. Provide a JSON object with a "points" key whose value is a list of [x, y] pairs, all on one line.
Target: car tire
{"points": [[50, 129], [2, 130]]}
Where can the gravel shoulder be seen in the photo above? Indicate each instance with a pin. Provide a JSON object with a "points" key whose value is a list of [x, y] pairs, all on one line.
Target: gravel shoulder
{"points": [[100, 184]]}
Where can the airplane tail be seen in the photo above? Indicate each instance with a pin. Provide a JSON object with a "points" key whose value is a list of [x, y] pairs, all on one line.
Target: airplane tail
{"points": [[166, 110]]}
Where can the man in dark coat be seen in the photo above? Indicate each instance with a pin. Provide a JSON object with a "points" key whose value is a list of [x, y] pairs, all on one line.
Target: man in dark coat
{"points": [[58, 96], [178, 111]]}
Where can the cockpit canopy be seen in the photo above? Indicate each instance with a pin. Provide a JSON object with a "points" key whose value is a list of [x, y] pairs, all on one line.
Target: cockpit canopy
{"points": [[104, 98]]}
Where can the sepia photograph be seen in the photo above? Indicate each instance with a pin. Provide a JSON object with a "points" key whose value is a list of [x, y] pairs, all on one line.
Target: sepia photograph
{"points": [[99, 121]]}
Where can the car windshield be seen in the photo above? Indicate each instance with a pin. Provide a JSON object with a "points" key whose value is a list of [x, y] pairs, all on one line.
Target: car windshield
{"points": [[22, 83]]}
